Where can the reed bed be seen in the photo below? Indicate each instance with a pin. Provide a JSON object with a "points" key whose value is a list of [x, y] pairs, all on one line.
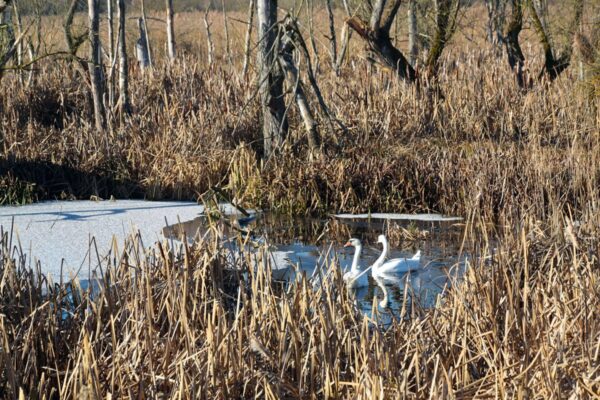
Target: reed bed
{"points": [[175, 322], [523, 168], [486, 142]]}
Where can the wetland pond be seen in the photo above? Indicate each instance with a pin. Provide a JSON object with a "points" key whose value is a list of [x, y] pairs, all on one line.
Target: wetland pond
{"points": [[67, 239], [310, 245]]}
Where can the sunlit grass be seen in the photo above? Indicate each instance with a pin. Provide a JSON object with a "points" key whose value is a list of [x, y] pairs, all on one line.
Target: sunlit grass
{"points": [[522, 168]]}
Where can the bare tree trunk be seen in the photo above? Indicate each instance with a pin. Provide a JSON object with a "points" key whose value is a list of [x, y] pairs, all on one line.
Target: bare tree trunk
{"points": [[490, 7], [146, 38], [444, 29], [170, 30], [332, 38], [95, 66], [123, 64], [346, 33], [311, 32], [495, 22], [72, 46], [111, 53], [499, 24], [31, 50], [286, 60], [10, 52], [248, 38], [541, 8], [209, 42], [226, 29], [31, 55], [20, 45], [141, 51], [377, 36], [413, 47], [516, 59], [271, 79], [9, 33], [555, 64]]}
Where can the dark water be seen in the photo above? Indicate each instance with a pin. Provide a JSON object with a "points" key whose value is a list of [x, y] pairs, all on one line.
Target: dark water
{"points": [[301, 245]]}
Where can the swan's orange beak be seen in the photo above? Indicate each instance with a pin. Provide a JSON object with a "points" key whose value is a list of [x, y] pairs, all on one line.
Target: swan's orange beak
{"points": [[348, 244]]}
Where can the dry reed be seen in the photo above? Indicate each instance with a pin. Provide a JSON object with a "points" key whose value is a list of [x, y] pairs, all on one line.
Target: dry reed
{"points": [[523, 168]]}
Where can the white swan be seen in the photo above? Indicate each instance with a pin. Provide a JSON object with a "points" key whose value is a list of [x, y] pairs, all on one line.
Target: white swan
{"points": [[356, 278], [396, 265]]}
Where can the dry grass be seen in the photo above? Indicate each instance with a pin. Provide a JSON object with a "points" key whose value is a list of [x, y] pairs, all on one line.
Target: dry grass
{"points": [[487, 145], [523, 168], [176, 323]]}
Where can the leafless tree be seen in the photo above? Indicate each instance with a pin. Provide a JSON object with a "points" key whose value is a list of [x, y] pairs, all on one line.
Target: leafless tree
{"points": [[20, 46], [286, 61], [413, 46], [145, 37], [516, 59], [170, 30], [376, 32], [141, 50], [446, 13], [226, 31], [310, 12], [95, 64], [209, 43], [34, 51], [12, 45], [332, 38], [554, 62], [541, 9], [495, 23], [7, 28], [270, 78], [73, 43], [251, 8], [124, 102], [111, 52], [345, 41]]}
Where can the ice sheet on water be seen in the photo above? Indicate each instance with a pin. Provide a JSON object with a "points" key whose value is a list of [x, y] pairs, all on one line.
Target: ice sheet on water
{"points": [[401, 217], [56, 230]]}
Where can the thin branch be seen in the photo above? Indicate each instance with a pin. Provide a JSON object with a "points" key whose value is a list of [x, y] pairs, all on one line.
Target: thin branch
{"points": [[387, 25]]}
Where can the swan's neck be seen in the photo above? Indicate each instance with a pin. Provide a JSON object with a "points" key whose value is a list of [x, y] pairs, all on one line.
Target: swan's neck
{"points": [[383, 255], [355, 267], [384, 302]]}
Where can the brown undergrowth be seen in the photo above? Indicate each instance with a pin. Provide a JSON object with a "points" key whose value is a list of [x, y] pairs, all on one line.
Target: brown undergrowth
{"points": [[176, 322], [485, 142], [522, 168]]}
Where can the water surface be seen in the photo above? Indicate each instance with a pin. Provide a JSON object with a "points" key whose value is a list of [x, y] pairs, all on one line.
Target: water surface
{"points": [[300, 245]]}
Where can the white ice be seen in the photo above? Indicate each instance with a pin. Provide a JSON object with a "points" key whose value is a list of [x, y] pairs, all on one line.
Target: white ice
{"points": [[62, 230], [406, 217]]}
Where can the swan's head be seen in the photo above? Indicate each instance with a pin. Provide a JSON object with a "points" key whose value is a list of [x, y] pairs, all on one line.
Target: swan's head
{"points": [[381, 239], [353, 243]]}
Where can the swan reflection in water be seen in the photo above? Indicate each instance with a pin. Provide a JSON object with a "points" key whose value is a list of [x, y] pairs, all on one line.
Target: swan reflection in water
{"points": [[293, 247]]}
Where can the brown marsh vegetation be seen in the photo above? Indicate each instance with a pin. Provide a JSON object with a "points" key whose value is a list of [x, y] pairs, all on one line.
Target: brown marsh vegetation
{"points": [[521, 165]]}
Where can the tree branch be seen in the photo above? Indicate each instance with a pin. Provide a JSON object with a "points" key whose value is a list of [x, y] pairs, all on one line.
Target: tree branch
{"points": [[377, 14], [516, 59], [387, 25]]}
